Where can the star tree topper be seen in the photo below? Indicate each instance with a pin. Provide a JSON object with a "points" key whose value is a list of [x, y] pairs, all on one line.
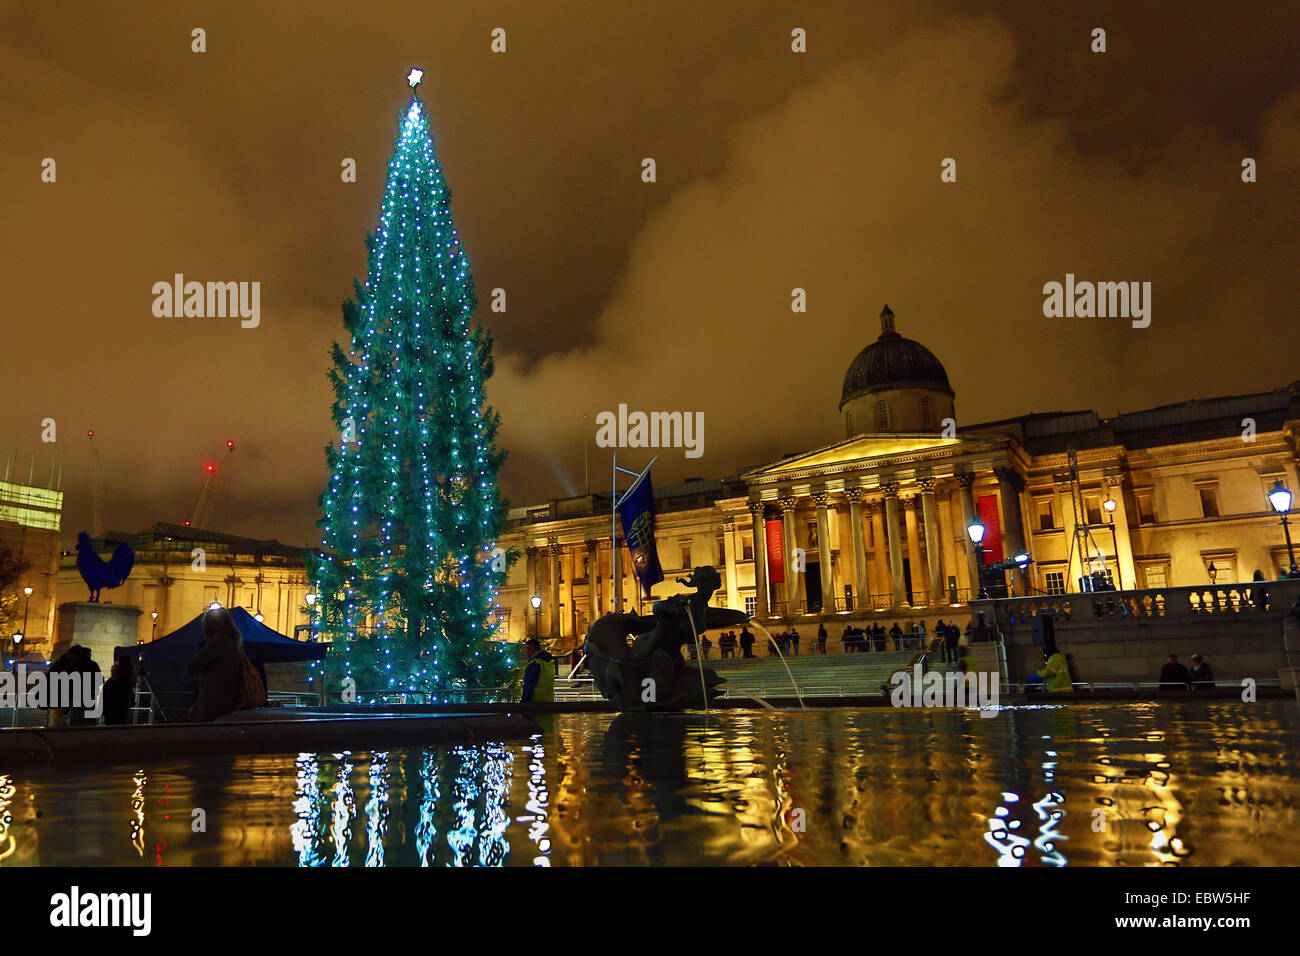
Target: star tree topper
{"points": [[414, 77]]}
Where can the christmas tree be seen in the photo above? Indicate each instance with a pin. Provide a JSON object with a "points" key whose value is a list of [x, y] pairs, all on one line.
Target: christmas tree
{"points": [[407, 574]]}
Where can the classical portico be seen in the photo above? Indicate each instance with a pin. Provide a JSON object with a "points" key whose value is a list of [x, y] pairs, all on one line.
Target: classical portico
{"points": [[908, 501]]}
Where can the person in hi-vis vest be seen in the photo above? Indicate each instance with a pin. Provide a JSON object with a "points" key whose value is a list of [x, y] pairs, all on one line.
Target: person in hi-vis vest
{"points": [[539, 674]]}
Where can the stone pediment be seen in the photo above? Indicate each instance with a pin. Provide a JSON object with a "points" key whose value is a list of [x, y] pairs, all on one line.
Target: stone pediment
{"points": [[866, 452]]}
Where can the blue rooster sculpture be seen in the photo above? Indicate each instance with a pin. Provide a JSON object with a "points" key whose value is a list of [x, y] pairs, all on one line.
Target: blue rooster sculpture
{"points": [[98, 573]]}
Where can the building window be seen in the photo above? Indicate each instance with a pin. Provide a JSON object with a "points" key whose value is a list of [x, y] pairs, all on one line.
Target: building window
{"points": [[1092, 504], [1220, 568], [1054, 582], [1046, 514], [721, 546], [1209, 494], [1146, 507], [747, 550], [882, 416], [686, 555], [751, 605], [1155, 576], [813, 539], [927, 412], [1266, 483]]}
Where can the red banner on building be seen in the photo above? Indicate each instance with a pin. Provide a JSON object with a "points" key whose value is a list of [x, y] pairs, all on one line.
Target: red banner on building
{"points": [[988, 509], [775, 552]]}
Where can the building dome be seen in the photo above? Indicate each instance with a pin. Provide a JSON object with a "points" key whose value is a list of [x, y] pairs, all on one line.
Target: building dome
{"points": [[895, 384], [893, 362]]}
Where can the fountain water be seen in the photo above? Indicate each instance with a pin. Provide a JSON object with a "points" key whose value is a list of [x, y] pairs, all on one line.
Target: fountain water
{"points": [[773, 643], [699, 658]]}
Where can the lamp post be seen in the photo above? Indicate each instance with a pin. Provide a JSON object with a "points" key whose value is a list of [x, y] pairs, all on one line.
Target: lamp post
{"points": [[27, 603], [1280, 499], [976, 531], [536, 602], [18, 640], [153, 633], [1110, 504]]}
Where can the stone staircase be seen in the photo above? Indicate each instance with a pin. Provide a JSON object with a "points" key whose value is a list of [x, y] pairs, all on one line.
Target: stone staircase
{"points": [[818, 675]]}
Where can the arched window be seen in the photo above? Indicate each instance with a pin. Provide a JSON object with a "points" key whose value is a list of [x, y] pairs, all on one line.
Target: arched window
{"points": [[882, 416]]}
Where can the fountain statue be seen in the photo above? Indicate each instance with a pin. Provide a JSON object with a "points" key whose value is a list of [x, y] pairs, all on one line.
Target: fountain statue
{"points": [[649, 673]]}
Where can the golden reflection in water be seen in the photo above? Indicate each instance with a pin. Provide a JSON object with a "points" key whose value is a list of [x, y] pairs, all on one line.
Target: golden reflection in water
{"points": [[7, 791], [1176, 784], [139, 778]]}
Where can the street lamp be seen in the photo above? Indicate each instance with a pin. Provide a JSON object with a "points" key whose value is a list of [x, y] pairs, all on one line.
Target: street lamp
{"points": [[153, 633], [258, 617], [1110, 504], [536, 602], [17, 639], [1280, 499], [976, 531], [27, 603]]}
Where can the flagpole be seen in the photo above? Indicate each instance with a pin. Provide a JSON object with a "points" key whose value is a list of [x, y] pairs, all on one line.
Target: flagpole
{"points": [[613, 537]]}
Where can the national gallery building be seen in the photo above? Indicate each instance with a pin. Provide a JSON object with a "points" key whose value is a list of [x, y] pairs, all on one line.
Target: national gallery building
{"points": [[874, 527]]}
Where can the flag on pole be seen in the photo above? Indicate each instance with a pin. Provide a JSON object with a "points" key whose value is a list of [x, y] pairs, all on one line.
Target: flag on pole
{"points": [[636, 514]]}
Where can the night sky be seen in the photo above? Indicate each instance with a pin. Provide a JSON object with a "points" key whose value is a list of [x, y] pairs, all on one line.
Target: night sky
{"points": [[776, 170]]}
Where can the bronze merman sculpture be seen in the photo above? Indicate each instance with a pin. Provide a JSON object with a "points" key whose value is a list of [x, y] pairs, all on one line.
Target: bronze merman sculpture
{"points": [[650, 674]]}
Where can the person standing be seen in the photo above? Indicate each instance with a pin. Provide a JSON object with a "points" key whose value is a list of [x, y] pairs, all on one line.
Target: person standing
{"points": [[746, 642], [821, 638], [794, 641], [539, 674], [950, 635], [1174, 676], [219, 662], [119, 692], [1056, 670], [1201, 674]]}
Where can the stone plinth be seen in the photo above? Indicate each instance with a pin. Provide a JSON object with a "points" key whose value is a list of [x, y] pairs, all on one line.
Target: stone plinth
{"points": [[100, 627]]}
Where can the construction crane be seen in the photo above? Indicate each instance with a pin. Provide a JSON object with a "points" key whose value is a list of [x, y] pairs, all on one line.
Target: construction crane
{"points": [[213, 481], [95, 478], [1082, 542]]}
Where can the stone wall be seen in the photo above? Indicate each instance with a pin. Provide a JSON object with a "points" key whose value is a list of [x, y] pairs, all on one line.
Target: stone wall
{"points": [[100, 627], [1126, 636]]}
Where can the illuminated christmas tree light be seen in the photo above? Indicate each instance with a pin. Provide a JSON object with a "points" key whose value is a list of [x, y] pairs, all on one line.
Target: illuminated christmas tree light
{"points": [[412, 509]]}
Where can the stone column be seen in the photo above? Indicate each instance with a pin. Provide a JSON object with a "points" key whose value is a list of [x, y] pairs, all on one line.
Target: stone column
{"points": [[876, 512], [953, 559], [787, 504], [593, 577], [553, 547], [857, 532], [759, 534], [1065, 504], [1114, 485], [913, 545], [822, 499], [932, 553], [729, 562], [966, 481], [531, 558], [895, 546], [1010, 484]]}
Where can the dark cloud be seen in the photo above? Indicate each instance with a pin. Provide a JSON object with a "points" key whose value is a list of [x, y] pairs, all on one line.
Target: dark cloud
{"points": [[775, 171]]}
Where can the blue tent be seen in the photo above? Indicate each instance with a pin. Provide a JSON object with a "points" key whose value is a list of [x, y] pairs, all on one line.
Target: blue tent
{"points": [[163, 661], [261, 644]]}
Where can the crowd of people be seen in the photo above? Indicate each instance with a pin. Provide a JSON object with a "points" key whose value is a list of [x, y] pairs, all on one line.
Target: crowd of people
{"points": [[946, 640], [228, 679]]}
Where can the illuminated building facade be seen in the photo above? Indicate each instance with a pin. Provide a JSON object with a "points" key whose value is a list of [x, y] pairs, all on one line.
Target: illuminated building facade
{"points": [[177, 583], [30, 518], [873, 527]]}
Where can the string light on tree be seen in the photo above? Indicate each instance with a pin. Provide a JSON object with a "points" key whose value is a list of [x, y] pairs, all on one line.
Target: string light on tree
{"points": [[404, 585]]}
